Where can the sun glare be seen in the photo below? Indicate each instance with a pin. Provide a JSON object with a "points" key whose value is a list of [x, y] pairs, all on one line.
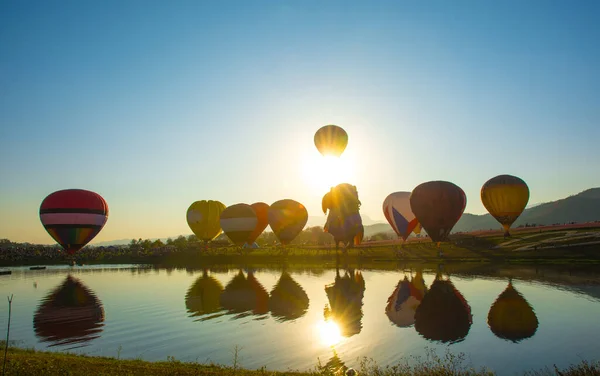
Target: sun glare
{"points": [[322, 173], [329, 333]]}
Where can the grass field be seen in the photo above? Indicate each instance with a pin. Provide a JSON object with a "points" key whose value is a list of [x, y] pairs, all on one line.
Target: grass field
{"points": [[27, 362]]}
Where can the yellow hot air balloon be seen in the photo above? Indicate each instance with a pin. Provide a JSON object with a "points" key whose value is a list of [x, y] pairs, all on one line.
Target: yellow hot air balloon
{"points": [[331, 140], [505, 197], [204, 295], [511, 317], [203, 217]]}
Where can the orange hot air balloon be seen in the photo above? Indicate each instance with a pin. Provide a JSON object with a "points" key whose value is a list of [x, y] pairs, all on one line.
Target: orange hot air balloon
{"points": [[245, 294], [287, 218], [262, 215], [438, 205], [331, 140], [505, 197]]}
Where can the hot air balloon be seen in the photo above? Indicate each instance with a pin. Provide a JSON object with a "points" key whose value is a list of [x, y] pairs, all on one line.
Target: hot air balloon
{"points": [[262, 215], [417, 229], [345, 297], [238, 222], [331, 140], [443, 315], [511, 317], [438, 205], [203, 217], [288, 299], [73, 217], [204, 295], [70, 314], [505, 197], [344, 221], [287, 218], [419, 283], [245, 294], [262, 296], [397, 211], [403, 303]]}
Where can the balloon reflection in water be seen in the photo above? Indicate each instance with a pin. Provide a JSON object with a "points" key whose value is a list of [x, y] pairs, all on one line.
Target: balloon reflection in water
{"points": [[443, 315], [245, 294], [511, 317], [288, 299], [403, 302], [70, 314], [335, 366], [345, 299], [204, 296]]}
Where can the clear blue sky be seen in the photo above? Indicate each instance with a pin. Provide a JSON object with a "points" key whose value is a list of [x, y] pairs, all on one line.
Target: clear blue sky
{"points": [[156, 104]]}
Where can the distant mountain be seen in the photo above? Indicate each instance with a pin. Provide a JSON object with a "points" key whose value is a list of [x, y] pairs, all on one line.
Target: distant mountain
{"points": [[583, 207]]}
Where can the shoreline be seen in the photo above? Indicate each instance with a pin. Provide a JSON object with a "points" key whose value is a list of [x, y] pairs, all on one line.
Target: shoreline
{"points": [[35, 362], [562, 246]]}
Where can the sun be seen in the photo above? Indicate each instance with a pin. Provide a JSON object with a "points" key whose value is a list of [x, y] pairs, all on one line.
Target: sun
{"points": [[329, 332], [321, 173]]}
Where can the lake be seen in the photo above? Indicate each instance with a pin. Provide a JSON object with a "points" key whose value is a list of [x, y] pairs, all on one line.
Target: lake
{"points": [[509, 319]]}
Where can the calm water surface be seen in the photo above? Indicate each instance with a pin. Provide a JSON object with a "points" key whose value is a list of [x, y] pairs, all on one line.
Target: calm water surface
{"points": [[289, 320]]}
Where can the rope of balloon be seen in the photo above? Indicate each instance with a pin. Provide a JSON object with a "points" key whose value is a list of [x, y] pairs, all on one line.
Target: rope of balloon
{"points": [[73, 217]]}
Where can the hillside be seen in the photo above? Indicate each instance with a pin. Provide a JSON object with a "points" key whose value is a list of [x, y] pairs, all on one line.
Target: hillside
{"points": [[583, 207]]}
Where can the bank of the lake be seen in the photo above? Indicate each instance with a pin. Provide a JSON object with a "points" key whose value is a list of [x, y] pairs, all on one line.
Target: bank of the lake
{"points": [[31, 362], [551, 246]]}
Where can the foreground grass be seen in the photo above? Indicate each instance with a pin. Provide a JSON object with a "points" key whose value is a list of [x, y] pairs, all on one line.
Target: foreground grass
{"points": [[31, 362]]}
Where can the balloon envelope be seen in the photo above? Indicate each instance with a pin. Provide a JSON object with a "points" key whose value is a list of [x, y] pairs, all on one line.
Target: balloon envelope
{"points": [[511, 317], [238, 222], [331, 140], [245, 294], [70, 314], [203, 217], [505, 197], [73, 217], [344, 221], [262, 215], [345, 297], [204, 295], [397, 211], [438, 205], [288, 299], [403, 303], [443, 315], [287, 218]]}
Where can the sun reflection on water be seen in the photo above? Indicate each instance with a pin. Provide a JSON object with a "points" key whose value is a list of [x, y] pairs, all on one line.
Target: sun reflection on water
{"points": [[329, 332]]}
